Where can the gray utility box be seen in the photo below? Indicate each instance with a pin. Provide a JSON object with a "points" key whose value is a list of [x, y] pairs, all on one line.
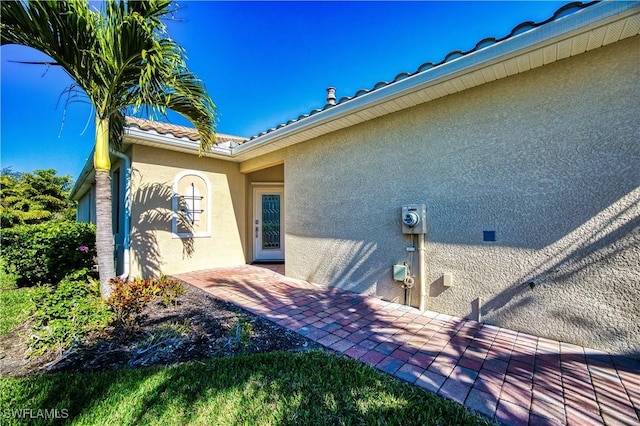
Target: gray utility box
{"points": [[414, 219], [400, 272]]}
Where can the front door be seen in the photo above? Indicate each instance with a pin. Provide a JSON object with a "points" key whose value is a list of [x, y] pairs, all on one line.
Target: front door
{"points": [[268, 216]]}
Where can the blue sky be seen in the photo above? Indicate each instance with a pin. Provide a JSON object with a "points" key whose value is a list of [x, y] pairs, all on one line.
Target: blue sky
{"points": [[263, 63]]}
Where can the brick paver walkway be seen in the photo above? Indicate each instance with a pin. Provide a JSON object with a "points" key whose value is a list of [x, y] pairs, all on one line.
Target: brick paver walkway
{"points": [[515, 378]]}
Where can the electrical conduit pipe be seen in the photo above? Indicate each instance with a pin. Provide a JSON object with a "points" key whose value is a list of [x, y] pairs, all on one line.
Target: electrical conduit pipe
{"points": [[423, 274]]}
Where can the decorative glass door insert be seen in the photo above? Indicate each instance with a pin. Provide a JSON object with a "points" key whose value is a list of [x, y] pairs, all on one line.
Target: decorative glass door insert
{"points": [[270, 221]]}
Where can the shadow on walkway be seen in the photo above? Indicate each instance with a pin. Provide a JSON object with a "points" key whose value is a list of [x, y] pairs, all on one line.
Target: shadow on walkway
{"points": [[515, 378]]}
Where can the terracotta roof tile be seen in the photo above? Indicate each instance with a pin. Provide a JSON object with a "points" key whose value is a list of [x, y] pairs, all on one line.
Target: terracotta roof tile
{"points": [[177, 131], [192, 134]]}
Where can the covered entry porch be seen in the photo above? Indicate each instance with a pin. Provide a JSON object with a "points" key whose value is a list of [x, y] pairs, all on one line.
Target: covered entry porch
{"points": [[265, 207]]}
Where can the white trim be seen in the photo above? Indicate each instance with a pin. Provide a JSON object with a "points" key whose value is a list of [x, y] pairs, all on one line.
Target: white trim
{"points": [[582, 21], [168, 141], [174, 206]]}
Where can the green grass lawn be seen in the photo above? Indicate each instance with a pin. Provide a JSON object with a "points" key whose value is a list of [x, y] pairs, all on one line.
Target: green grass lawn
{"points": [[278, 388], [15, 303], [15, 306]]}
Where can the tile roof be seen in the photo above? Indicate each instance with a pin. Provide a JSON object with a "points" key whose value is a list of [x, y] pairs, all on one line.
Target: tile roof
{"points": [[177, 131], [191, 133], [565, 10]]}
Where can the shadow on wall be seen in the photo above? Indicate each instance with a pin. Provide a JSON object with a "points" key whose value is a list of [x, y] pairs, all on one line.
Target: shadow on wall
{"points": [[344, 263], [153, 203], [590, 256], [610, 233], [586, 283]]}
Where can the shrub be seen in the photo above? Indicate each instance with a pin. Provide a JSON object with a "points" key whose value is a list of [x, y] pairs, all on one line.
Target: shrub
{"points": [[16, 304], [129, 298], [68, 313], [45, 253], [8, 279], [240, 337], [169, 290], [7, 220]]}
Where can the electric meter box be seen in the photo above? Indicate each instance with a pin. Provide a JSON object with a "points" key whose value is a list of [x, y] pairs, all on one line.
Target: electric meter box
{"points": [[414, 219]]}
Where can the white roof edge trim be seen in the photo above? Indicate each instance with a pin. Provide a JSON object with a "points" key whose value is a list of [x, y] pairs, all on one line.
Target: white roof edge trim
{"points": [[139, 137], [582, 20]]}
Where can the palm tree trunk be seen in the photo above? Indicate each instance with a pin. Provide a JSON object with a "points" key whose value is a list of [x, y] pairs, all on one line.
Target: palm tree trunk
{"points": [[104, 225]]}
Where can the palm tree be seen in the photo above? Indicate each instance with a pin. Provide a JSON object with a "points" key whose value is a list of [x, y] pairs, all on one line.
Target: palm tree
{"points": [[122, 58]]}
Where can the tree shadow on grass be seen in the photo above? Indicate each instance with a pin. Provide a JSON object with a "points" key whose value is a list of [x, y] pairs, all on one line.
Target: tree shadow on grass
{"points": [[274, 388]]}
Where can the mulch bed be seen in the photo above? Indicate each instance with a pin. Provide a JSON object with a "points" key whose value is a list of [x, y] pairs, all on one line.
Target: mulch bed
{"points": [[198, 327]]}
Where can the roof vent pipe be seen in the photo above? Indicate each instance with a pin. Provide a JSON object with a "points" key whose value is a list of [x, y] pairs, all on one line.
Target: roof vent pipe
{"points": [[331, 95]]}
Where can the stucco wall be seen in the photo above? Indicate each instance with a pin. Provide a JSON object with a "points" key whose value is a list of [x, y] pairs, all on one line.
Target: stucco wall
{"points": [[549, 159], [155, 250]]}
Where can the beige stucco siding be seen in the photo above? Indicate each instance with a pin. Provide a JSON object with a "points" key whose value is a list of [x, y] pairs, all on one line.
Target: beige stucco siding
{"points": [[155, 248], [549, 159]]}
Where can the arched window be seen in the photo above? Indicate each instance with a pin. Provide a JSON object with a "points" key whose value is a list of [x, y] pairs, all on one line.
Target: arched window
{"points": [[191, 205]]}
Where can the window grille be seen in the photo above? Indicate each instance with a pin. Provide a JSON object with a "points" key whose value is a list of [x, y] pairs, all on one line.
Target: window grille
{"points": [[191, 202]]}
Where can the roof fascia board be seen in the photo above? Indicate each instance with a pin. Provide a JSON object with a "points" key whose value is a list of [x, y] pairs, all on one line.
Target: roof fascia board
{"points": [[581, 21], [137, 136], [87, 175]]}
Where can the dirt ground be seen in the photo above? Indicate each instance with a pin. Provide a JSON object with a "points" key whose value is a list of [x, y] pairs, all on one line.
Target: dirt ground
{"points": [[198, 327]]}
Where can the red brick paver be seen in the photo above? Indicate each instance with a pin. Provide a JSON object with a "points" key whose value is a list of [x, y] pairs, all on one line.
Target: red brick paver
{"points": [[511, 377]]}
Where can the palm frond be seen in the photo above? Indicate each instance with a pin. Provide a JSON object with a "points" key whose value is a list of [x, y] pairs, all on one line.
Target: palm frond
{"points": [[121, 56], [116, 129]]}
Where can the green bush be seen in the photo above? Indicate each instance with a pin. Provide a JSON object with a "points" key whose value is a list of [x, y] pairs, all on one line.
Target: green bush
{"points": [[240, 337], [45, 253], [68, 313], [16, 304], [8, 279]]}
